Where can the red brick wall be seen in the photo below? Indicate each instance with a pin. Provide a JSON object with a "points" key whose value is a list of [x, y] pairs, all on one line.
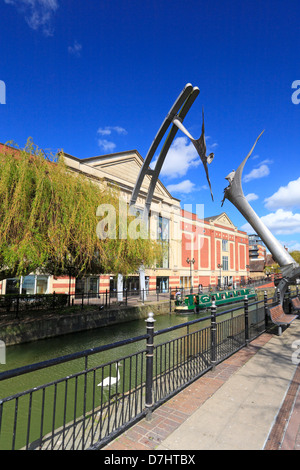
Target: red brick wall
{"points": [[186, 248], [218, 250], [104, 282], [63, 285], [231, 255], [204, 253], [242, 257]]}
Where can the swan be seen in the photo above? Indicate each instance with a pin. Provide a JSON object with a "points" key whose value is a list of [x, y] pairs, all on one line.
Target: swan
{"points": [[108, 381]]}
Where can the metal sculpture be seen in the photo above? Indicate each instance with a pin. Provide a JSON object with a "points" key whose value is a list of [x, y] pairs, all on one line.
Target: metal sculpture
{"points": [[200, 146], [234, 193], [175, 117]]}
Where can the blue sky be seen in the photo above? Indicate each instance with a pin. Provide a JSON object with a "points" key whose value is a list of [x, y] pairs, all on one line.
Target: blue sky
{"points": [[97, 76]]}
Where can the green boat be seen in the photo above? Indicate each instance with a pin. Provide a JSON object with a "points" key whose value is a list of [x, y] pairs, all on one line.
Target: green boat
{"points": [[193, 303]]}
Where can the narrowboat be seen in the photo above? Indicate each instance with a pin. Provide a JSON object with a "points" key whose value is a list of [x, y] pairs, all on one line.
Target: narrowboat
{"points": [[193, 303]]}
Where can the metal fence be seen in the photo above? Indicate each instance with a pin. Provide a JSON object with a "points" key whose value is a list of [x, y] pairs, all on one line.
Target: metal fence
{"points": [[97, 401], [18, 305]]}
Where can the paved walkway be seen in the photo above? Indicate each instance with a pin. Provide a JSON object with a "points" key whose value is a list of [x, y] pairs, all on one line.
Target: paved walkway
{"points": [[251, 401]]}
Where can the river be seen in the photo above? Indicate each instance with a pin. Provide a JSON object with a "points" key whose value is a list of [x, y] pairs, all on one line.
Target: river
{"points": [[42, 350]]}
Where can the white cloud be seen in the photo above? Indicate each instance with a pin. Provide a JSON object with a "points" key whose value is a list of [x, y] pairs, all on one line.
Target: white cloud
{"points": [[251, 197], [107, 130], [184, 187], [286, 196], [38, 13], [181, 157], [260, 172], [281, 222], [75, 49], [106, 145]]}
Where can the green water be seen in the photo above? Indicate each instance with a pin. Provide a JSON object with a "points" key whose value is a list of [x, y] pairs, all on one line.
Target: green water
{"points": [[42, 350], [38, 351]]}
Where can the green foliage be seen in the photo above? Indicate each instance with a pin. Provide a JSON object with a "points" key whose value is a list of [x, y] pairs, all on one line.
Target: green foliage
{"points": [[296, 256], [48, 220]]}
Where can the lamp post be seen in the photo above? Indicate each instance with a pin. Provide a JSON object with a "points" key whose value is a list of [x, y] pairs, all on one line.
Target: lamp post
{"points": [[248, 268], [220, 266], [191, 262]]}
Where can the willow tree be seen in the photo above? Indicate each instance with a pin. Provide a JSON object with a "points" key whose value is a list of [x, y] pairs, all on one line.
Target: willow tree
{"points": [[48, 220]]}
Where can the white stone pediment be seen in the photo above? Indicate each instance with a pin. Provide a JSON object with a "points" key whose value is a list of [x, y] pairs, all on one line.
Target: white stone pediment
{"points": [[222, 219], [124, 168]]}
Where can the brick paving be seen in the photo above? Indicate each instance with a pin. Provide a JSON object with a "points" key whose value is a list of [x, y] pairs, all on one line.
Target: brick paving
{"points": [[290, 420], [147, 435]]}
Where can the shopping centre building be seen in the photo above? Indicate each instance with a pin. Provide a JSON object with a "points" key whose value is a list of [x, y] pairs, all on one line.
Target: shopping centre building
{"points": [[199, 250]]}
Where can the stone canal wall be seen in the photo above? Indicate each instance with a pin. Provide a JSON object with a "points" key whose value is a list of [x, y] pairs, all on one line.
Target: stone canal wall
{"points": [[48, 326], [45, 326]]}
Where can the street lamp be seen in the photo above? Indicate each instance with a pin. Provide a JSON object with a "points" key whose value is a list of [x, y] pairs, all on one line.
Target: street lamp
{"points": [[191, 262], [220, 266], [248, 268]]}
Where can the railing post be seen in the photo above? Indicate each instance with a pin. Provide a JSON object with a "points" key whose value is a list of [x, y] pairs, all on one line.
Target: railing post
{"points": [[246, 311], [213, 335], [278, 296], [289, 299], [149, 364], [18, 305], [266, 309]]}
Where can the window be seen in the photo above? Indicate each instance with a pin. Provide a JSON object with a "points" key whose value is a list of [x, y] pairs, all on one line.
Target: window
{"points": [[225, 263], [13, 286], [42, 284], [30, 285], [162, 284], [225, 245], [87, 285]]}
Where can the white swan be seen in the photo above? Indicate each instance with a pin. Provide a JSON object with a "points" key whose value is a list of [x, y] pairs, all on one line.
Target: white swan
{"points": [[108, 381]]}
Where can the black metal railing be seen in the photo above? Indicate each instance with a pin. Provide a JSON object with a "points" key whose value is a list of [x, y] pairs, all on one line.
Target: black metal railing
{"points": [[97, 400], [18, 305]]}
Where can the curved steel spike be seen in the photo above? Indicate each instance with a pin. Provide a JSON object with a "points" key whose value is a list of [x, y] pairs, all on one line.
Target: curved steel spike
{"points": [[160, 134], [199, 145], [181, 106], [234, 193]]}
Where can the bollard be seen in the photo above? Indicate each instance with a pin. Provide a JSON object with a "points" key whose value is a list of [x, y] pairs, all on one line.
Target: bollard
{"points": [[246, 320], [149, 365], [213, 335]]}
